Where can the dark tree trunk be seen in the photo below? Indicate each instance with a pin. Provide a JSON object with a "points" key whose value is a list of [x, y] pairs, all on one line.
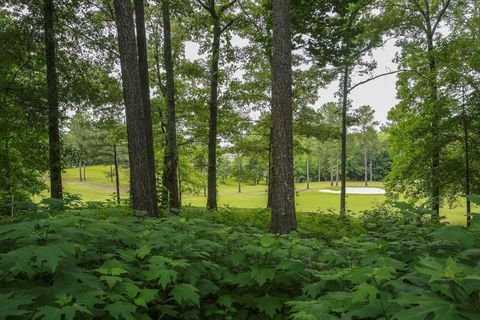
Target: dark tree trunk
{"points": [[80, 170], [143, 191], [239, 167], [283, 196], [308, 172], [145, 92], [343, 166], [84, 171], [170, 177], [53, 109], [365, 159], [466, 145], [212, 124], [319, 171], [117, 178], [270, 170], [337, 175]]}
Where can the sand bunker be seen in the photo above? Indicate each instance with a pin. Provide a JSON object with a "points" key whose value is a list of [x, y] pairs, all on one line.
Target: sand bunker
{"points": [[356, 190]]}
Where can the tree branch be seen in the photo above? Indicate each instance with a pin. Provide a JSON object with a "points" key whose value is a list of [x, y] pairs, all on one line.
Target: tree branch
{"points": [[440, 14]]}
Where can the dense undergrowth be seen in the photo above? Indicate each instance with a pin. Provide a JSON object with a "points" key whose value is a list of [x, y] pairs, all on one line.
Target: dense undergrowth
{"points": [[105, 263]]}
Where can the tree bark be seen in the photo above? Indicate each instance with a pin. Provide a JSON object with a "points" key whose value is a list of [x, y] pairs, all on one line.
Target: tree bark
{"points": [[143, 192], [343, 169], [466, 145], [319, 171], [80, 170], [239, 167], [145, 93], [212, 124], [56, 190], [170, 182], [365, 159], [308, 172], [283, 196], [84, 171], [117, 178]]}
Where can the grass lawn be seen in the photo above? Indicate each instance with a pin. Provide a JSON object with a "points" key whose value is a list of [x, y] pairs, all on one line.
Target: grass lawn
{"points": [[98, 187]]}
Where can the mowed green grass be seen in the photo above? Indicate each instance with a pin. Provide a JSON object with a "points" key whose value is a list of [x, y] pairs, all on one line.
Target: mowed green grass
{"points": [[98, 187]]}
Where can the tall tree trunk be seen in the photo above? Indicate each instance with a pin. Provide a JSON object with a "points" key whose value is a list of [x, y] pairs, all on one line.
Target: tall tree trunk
{"points": [[212, 125], [270, 170], [143, 192], [319, 170], [145, 93], [337, 176], [283, 201], [117, 178], [52, 100], [239, 167], [346, 74], [84, 171], [371, 168], [365, 159], [466, 146], [331, 173], [80, 170], [171, 157], [308, 172]]}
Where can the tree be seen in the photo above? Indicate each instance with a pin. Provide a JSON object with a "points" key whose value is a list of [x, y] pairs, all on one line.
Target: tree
{"points": [[143, 192], [170, 182], [283, 204], [216, 15], [364, 117], [52, 100], [419, 43]]}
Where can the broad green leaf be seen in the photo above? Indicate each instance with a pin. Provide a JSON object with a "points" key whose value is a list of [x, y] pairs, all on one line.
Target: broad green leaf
{"points": [[269, 305], [225, 300], [145, 296], [261, 274], [423, 306], [112, 268], [185, 293], [364, 291], [121, 310], [13, 304]]}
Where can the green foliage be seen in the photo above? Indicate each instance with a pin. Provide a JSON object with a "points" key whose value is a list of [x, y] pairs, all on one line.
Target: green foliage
{"points": [[86, 264]]}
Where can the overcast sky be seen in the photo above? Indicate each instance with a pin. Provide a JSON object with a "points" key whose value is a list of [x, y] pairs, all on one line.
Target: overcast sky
{"points": [[380, 94]]}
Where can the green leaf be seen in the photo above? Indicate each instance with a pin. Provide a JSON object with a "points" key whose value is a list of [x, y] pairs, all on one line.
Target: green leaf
{"points": [[363, 291], [261, 275], [269, 305], [225, 300], [166, 276], [112, 268], [185, 292], [11, 304], [142, 252], [111, 280], [121, 310], [146, 296], [131, 290], [424, 306]]}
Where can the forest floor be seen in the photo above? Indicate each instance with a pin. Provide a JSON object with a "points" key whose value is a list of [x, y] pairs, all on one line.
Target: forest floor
{"points": [[99, 187]]}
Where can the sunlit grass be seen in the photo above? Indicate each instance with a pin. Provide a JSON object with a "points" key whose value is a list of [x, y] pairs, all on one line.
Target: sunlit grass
{"points": [[99, 187]]}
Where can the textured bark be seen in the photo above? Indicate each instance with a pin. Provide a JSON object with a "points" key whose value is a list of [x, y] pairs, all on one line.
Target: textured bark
{"points": [[308, 172], [212, 123], [52, 100], [466, 146], [343, 166], [239, 167], [365, 159], [143, 192], [117, 178], [283, 201], [170, 182], [145, 90], [319, 171]]}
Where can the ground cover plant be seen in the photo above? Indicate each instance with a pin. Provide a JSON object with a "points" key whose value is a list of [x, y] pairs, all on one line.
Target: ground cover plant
{"points": [[106, 263]]}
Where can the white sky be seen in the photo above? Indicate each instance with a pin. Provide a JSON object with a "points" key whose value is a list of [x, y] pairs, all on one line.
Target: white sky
{"points": [[380, 94]]}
